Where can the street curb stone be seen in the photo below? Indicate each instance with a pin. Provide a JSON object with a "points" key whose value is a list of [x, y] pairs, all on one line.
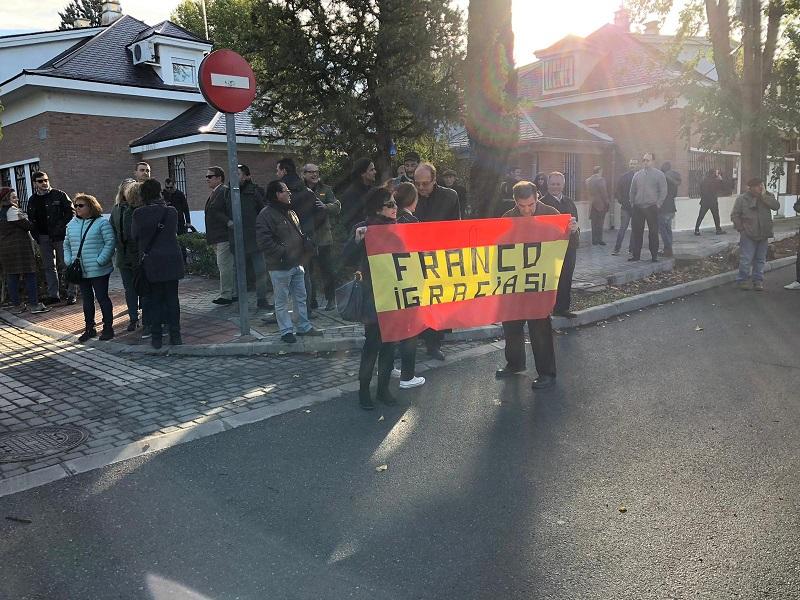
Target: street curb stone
{"points": [[585, 317]]}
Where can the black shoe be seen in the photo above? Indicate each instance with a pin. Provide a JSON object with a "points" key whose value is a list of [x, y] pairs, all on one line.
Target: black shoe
{"points": [[365, 400], [314, 305], [313, 332], [175, 340], [71, 300], [146, 332], [263, 303], [270, 320], [601, 243], [654, 259], [696, 232], [633, 259], [289, 338], [721, 232], [331, 305], [132, 325], [51, 300], [89, 333], [543, 382], [568, 314], [435, 354], [107, 334], [507, 372], [386, 397], [222, 301], [156, 342]]}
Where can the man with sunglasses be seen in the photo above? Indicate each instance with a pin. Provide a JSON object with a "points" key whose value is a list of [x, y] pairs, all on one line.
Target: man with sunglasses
{"points": [[219, 222], [49, 211]]}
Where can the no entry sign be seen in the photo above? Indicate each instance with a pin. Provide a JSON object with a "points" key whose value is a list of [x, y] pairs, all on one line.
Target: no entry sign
{"points": [[227, 81]]}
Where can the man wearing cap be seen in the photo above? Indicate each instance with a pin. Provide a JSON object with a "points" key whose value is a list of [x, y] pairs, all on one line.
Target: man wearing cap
{"points": [[410, 163]]}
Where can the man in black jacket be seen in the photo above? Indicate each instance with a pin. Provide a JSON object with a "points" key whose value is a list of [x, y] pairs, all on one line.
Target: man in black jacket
{"points": [[449, 181], [177, 199], [436, 203], [253, 201], [666, 212], [280, 238], [219, 223], [623, 194], [326, 206], [555, 197], [362, 178], [49, 211]]}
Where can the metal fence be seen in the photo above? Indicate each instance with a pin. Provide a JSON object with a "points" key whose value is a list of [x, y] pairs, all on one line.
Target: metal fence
{"points": [[702, 162]]}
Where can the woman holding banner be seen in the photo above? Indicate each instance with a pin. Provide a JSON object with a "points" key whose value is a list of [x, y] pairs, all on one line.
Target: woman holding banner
{"points": [[381, 209]]}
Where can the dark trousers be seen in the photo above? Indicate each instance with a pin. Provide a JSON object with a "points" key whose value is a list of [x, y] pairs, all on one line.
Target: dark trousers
{"points": [[714, 208], [541, 334], [375, 349], [97, 287], [322, 263], [642, 214], [164, 308], [597, 219], [30, 285], [564, 294], [433, 339], [797, 264], [408, 358]]}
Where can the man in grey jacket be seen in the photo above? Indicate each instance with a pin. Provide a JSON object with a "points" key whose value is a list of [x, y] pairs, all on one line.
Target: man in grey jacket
{"points": [[752, 218], [648, 191]]}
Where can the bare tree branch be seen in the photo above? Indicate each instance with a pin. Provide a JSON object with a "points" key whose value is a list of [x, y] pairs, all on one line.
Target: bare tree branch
{"points": [[719, 27]]}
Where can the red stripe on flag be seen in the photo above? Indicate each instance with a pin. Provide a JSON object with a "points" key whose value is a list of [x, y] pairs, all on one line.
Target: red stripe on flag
{"points": [[443, 235], [398, 325]]}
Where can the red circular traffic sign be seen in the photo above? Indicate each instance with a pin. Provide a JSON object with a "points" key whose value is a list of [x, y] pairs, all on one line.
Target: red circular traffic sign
{"points": [[227, 81]]}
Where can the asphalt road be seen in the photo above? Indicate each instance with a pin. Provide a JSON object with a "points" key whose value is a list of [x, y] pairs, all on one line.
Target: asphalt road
{"points": [[666, 464]]}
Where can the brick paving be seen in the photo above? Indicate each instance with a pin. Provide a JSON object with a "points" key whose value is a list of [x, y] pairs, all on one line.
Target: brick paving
{"points": [[121, 400]]}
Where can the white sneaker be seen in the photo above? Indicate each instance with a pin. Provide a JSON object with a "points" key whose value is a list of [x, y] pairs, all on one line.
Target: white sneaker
{"points": [[396, 373], [412, 383], [795, 285]]}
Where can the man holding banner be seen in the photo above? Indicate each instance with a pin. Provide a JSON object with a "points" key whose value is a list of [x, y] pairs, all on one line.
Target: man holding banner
{"points": [[469, 273]]}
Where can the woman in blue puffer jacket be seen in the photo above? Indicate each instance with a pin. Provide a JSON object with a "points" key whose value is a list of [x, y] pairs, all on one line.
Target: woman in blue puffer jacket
{"points": [[96, 254]]}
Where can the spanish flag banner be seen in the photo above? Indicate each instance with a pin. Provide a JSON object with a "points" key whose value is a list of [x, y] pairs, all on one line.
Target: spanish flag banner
{"points": [[455, 274]]}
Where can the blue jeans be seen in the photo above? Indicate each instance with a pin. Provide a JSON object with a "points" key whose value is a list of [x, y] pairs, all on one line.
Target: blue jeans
{"points": [[290, 283], [624, 221], [30, 286], [752, 253], [665, 229]]}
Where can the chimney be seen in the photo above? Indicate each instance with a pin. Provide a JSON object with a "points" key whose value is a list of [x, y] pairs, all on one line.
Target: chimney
{"points": [[622, 19], [651, 28], [111, 12], [81, 23]]}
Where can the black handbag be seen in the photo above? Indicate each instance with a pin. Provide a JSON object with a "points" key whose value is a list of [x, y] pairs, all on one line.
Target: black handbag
{"points": [[74, 272], [350, 299], [140, 282]]}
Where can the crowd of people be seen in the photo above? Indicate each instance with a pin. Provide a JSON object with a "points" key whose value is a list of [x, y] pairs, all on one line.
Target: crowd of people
{"points": [[292, 232]]}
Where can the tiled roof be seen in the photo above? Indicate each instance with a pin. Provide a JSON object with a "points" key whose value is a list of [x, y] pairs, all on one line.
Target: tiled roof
{"points": [[539, 125], [105, 58], [626, 61], [169, 29], [200, 118]]}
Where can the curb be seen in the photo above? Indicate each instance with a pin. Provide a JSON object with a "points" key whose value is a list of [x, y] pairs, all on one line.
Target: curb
{"points": [[156, 443], [486, 332]]}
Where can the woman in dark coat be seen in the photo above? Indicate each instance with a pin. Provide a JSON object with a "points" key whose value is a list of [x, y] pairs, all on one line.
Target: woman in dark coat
{"points": [[381, 209], [541, 184], [710, 189], [127, 254], [157, 224], [16, 253]]}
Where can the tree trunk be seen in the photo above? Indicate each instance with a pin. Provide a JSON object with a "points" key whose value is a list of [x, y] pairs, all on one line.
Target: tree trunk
{"points": [[753, 142]]}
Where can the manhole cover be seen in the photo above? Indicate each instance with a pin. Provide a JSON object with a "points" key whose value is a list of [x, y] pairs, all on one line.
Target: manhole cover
{"points": [[32, 444]]}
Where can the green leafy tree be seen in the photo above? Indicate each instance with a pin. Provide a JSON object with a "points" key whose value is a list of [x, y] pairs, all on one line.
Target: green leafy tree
{"points": [[754, 51], [491, 99], [354, 76], [229, 21], [81, 9]]}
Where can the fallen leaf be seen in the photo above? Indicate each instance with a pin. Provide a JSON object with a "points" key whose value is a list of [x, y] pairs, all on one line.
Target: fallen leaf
{"points": [[146, 447], [350, 374], [622, 509], [296, 376], [382, 468], [381, 418], [560, 522], [698, 328], [281, 352], [307, 411], [497, 401]]}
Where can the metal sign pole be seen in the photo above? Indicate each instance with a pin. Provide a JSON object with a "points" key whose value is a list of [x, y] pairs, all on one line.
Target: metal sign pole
{"points": [[238, 232]]}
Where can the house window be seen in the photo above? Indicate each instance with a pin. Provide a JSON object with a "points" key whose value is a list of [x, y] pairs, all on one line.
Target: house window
{"points": [[183, 72], [5, 177], [176, 167], [21, 181], [559, 73], [572, 172]]}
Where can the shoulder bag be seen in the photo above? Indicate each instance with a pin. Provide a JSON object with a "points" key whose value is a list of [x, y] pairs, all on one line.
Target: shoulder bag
{"points": [[350, 299], [74, 272], [140, 282]]}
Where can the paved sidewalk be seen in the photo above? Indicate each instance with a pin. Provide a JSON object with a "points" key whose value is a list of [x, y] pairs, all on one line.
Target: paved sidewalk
{"points": [[122, 400], [211, 329]]}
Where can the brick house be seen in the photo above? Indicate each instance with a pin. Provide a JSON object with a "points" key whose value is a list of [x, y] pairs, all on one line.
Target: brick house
{"points": [[584, 103], [86, 104]]}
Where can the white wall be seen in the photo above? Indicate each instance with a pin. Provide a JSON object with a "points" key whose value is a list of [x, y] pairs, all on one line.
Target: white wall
{"points": [[29, 52]]}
